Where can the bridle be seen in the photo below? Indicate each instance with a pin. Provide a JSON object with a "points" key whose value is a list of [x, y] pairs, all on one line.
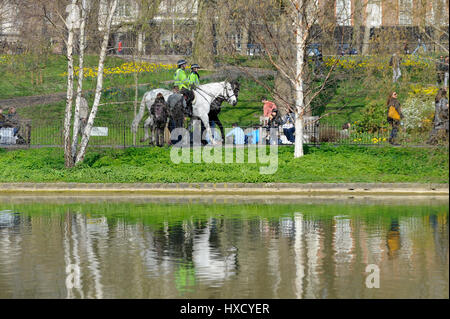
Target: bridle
{"points": [[228, 97], [224, 95]]}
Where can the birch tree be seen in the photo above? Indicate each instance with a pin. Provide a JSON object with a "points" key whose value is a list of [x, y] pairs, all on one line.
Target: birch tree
{"points": [[70, 24], [110, 10], [77, 12], [290, 60], [301, 27], [82, 46], [285, 29]]}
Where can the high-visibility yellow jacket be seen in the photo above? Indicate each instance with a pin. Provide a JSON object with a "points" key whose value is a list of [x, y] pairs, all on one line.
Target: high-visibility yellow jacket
{"points": [[181, 79], [194, 80]]}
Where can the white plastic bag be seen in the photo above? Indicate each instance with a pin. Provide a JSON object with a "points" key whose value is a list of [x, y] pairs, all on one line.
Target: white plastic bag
{"points": [[7, 136]]}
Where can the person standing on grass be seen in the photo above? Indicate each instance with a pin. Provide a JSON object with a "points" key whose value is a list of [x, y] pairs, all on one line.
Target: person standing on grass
{"points": [[440, 121], [395, 64], [394, 115], [440, 69], [253, 136], [238, 134], [160, 115]]}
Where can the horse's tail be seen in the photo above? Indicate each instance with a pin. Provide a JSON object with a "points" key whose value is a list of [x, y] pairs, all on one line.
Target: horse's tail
{"points": [[139, 116]]}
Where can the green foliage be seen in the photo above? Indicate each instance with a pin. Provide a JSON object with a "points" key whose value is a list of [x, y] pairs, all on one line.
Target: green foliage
{"points": [[150, 165], [246, 61], [373, 117]]}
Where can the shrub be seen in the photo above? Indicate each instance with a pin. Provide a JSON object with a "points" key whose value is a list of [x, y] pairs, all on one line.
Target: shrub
{"points": [[373, 117], [418, 114]]}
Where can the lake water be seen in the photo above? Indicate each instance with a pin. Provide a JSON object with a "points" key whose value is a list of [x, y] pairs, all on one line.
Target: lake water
{"points": [[199, 249]]}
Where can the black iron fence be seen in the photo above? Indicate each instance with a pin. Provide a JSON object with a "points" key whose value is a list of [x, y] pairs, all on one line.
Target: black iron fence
{"points": [[118, 134]]}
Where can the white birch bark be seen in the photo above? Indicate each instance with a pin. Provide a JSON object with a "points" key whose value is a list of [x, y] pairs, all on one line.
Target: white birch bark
{"points": [[69, 101], [76, 122], [98, 90], [300, 39]]}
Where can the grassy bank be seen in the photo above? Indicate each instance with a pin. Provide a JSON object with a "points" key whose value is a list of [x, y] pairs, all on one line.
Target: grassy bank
{"points": [[19, 72], [325, 164]]}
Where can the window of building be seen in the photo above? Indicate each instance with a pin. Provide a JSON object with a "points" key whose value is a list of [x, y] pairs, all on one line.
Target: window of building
{"points": [[123, 8], [344, 12], [374, 14], [405, 12]]}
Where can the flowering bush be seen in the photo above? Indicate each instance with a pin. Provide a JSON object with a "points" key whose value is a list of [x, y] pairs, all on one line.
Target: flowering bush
{"points": [[418, 90], [379, 63], [4, 59], [418, 113], [126, 68]]}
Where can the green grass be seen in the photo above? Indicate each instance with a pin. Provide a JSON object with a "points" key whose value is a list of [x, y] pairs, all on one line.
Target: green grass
{"points": [[325, 164], [16, 76]]}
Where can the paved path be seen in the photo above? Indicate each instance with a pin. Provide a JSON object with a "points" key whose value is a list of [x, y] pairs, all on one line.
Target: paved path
{"points": [[240, 189]]}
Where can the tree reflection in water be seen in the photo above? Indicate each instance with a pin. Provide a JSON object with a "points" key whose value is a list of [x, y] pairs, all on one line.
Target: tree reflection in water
{"points": [[222, 251]]}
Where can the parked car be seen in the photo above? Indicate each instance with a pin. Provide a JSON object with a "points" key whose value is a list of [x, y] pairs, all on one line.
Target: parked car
{"points": [[253, 49], [314, 50], [346, 49]]}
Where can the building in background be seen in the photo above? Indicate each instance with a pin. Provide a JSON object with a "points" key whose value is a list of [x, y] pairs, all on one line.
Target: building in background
{"points": [[171, 29]]}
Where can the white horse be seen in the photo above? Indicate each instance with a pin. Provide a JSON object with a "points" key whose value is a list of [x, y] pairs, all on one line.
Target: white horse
{"points": [[204, 96]]}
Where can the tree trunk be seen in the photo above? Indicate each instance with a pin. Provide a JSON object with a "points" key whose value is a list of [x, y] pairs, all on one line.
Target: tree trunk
{"points": [[244, 39], [357, 18], [223, 25], [68, 159], [301, 35], [136, 84], [367, 25], [98, 90], [298, 151], [437, 9], [328, 26], [76, 122], [204, 40]]}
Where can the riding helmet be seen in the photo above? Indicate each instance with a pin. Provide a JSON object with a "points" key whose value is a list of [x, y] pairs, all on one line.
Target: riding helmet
{"points": [[181, 62], [195, 66]]}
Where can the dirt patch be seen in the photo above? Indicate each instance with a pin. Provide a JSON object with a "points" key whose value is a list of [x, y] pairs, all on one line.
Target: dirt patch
{"points": [[33, 100]]}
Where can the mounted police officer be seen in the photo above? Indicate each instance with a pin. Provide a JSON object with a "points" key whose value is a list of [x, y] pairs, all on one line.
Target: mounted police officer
{"points": [[194, 77], [181, 81], [181, 78]]}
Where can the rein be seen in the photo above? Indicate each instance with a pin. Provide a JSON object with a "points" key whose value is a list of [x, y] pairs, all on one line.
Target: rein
{"points": [[226, 97]]}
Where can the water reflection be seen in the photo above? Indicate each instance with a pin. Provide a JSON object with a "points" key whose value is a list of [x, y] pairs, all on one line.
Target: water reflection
{"points": [[148, 251]]}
